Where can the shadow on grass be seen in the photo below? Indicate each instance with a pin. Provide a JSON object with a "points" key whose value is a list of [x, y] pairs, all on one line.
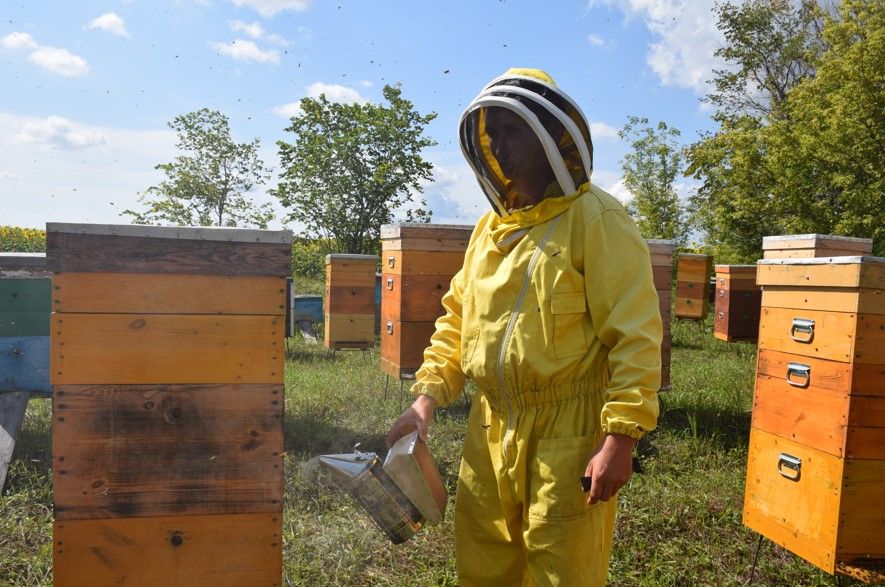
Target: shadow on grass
{"points": [[731, 429], [310, 435]]}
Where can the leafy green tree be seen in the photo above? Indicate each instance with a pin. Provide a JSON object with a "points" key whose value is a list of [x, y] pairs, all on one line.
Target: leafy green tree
{"points": [[352, 167], [207, 186], [650, 171], [802, 151]]}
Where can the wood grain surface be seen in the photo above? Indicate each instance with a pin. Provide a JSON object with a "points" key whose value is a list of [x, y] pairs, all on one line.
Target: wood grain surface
{"points": [[160, 450], [70, 252]]}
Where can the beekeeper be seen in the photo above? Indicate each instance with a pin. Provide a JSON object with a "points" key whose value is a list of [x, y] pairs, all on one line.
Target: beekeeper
{"points": [[554, 316]]}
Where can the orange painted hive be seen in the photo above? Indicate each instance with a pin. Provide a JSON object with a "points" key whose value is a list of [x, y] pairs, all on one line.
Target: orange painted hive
{"points": [[167, 377], [816, 466], [801, 246], [738, 300], [418, 262], [661, 252], [693, 286], [350, 301]]}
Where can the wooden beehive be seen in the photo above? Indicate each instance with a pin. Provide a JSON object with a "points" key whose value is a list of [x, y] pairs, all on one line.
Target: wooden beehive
{"points": [[24, 343], [801, 246], [738, 300], [350, 301], [167, 376], [418, 262], [661, 252], [693, 286], [816, 467]]}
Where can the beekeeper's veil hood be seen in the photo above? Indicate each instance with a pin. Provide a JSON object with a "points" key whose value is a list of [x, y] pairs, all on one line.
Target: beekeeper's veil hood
{"points": [[549, 112]]}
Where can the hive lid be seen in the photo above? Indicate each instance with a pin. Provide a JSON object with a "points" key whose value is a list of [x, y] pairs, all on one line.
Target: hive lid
{"points": [[205, 233], [845, 271], [844, 260], [411, 467], [425, 230], [352, 257], [736, 269], [23, 265], [789, 241]]}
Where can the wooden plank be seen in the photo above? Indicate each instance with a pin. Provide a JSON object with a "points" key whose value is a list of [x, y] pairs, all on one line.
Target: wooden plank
{"points": [[868, 275], [425, 244], [91, 253], [800, 515], [812, 416], [24, 364], [350, 279], [203, 551], [349, 328], [817, 241], [161, 450], [13, 405], [422, 262], [413, 298], [834, 299], [862, 515], [833, 336], [307, 307], [420, 230], [662, 275], [403, 343], [350, 299], [870, 346], [856, 379], [160, 348], [690, 308], [25, 295], [26, 323], [161, 293]]}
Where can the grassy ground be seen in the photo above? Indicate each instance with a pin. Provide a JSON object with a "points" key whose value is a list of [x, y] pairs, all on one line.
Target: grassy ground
{"points": [[679, 523]]}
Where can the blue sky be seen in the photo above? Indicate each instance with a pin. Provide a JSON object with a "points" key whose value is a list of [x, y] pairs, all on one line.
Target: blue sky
{"points": [[90, 85]]}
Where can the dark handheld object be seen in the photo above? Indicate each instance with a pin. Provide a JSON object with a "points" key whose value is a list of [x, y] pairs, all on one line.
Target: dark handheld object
{"points": [[586, 483]]}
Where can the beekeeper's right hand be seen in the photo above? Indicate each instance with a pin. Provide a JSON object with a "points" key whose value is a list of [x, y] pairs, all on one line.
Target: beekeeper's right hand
{"points": [[416, 417]]}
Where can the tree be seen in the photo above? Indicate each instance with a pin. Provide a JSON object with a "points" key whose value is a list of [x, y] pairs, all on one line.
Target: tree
{"points": [[650, 171], [352, 167], [803, 152], [208, 185]]}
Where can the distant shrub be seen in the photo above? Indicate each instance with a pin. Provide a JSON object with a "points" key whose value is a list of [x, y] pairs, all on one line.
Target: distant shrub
{"points": [[22, 240], [308, 259]]}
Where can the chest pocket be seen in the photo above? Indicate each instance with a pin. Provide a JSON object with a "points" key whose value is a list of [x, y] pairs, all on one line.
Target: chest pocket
{"points": [[568, 309]]}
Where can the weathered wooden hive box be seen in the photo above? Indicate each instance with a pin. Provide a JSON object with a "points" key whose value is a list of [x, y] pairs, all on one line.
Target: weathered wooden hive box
{"points": [[350, 301], [661, 252], [167, 376], [801, 246], [738, 303], [816, 465], [693, 286], [418, 262], [25, 305]]}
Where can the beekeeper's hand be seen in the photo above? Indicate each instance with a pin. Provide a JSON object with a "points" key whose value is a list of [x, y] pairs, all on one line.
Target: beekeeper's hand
{"points": [[416, 417], [610, 467]]}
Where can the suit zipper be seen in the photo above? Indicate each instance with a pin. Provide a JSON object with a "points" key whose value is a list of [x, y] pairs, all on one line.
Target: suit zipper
{"points": [[509, 331]]}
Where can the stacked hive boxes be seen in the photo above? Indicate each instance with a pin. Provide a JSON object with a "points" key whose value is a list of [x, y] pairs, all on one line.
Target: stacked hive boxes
{"points": [[738, 300], [693, 285], [816, 469], [661, 252], [418, 262], [800, 246], [350, 301], [24, 342], [167, 378]]}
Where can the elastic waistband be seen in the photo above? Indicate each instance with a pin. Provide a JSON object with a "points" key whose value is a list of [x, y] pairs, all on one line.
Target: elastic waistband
{"points": [[543, 396]]}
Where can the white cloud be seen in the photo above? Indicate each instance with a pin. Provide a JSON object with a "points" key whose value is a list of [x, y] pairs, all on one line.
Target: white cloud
{"points": [[8, 176], [243, 50], [601, 130], [333, 92], [268, 8], [595, 40], [252, 29], [60, 132], [60, 61], [365, 83], [613, 183], [289, 110], [336, 93], [111, 23], [686, 38], [18, 40]]}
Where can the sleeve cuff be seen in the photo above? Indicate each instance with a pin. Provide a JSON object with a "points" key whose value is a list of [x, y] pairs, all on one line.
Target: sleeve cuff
{"points": [[631, 430]]}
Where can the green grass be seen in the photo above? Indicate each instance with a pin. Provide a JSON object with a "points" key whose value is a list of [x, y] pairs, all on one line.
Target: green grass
{"points": [[679, 523]]}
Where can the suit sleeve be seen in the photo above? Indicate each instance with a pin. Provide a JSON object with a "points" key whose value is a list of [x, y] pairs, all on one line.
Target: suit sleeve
{"points": [[624, 308]]}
